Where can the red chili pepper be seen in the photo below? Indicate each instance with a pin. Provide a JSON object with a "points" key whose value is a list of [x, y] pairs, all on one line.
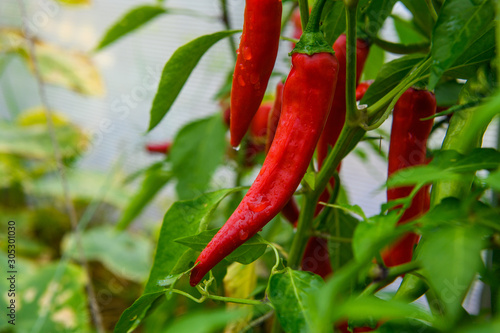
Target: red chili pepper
{"points": [[256, 56], [408, 148], [329, 137], [362, 88], [274, 115], [291, 210], [258, 126], [316, 258], [161, 148], [307, 98]]}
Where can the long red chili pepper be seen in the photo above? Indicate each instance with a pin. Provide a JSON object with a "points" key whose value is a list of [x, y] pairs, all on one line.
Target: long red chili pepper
{"points": [[307, 98], [256, 56], [408, 148]]}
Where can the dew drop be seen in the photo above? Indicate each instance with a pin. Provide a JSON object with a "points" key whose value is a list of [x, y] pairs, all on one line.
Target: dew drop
{"points": [[243, 234], [241, 81], [247, 54], [237, 148]]}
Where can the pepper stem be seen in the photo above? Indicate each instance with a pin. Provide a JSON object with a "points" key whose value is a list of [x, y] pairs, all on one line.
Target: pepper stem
{"points": [[312, 40], [304, 12]]}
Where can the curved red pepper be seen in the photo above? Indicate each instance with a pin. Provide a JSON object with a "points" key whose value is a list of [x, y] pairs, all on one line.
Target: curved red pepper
{"points": [[256, 56], [274, 115], [307, 98], [161, 148], [408, 148]]}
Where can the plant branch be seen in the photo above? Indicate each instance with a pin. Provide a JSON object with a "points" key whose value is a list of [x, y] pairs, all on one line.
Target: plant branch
{"points": [[304, 13], [353, 114], [392, 273], [432, 10], [397, 48], [227, 24]]}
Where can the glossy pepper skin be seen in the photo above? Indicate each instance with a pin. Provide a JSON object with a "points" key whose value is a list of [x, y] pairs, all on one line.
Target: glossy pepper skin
{"points": [[408, 148], [336, 119], [307, 97], [274, 115], [255, 61], [362, 88]]}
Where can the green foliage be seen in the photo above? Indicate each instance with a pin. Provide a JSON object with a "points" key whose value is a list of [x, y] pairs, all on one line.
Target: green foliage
{"points": [[194, 160], [288, 292], [177, 70], [132, 20]]}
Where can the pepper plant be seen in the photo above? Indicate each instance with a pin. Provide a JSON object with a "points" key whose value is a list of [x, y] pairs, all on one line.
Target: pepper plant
{"points": [[327, 269]]}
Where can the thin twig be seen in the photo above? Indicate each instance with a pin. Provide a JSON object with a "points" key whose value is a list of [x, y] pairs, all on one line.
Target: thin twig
{"points": [[70, 208]]}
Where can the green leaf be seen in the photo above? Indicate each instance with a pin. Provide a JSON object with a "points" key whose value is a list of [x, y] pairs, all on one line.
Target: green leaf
{"points": [[447, 92], [493, 180], [205, 322], [343, 226], [83, 185], [184, 218], [421, 15], [447, 165], [34, 142], [58, 66], [371, 307], [484, 327], [356, 209], [373, 64], [333, 20], [389, 76], [481, 51], [247, 253], [53, 300], [310, 178], [375, 15], [154, 180], [132, 20], [197, 151], [125, 254], [369, 237], [177, 71], [133, 315], [458, 24], [407, 325], [407, 32], [450, 258], [288, 293]]}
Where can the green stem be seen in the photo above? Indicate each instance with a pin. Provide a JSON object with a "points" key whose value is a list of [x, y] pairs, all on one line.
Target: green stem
{"points": [[304, 12], [303, 227], [227, 24], [397, 48], [236, 300], [431, 10], [353, 114], [349, 137], [393, 273]]}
